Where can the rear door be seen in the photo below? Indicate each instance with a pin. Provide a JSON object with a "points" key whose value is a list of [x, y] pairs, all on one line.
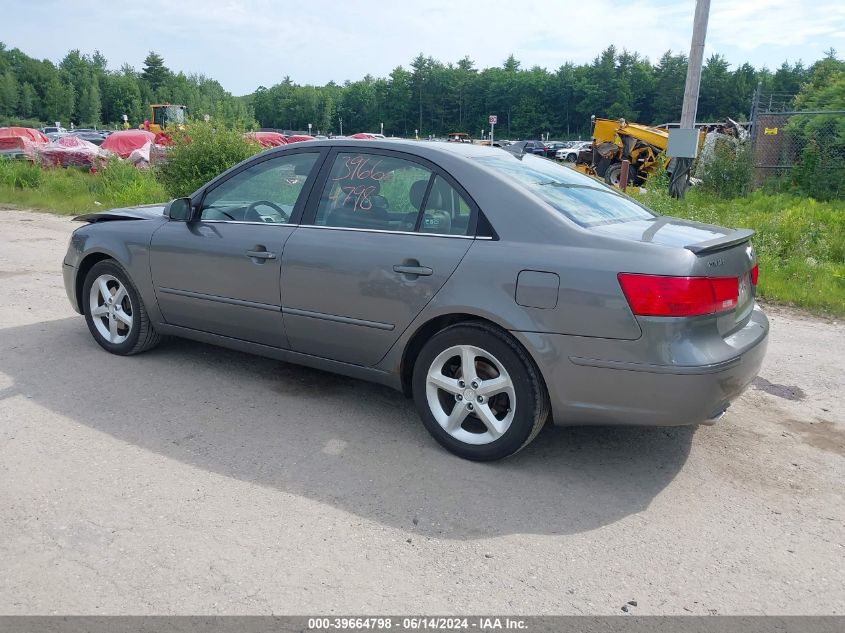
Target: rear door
{"points": [[383, 234], [220, 272]]}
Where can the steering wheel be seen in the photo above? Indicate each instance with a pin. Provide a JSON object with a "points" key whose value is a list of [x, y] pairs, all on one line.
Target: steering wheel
{"points": [[251, 215]]}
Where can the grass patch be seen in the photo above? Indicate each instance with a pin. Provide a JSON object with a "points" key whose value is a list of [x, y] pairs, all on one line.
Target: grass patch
{"points": [[75, 190], [800, 242]]}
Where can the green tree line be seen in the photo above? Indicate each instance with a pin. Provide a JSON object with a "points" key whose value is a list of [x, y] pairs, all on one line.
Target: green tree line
{"points": [[428, 95], [437, 98], [82, 90]]}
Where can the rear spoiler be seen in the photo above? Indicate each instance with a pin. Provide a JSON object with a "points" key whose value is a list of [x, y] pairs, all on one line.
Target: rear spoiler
{"points": [[720, 243]]}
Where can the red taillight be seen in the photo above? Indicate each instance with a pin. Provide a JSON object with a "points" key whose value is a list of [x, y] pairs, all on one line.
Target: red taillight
{"points": [[657, 295], [755, 273]]}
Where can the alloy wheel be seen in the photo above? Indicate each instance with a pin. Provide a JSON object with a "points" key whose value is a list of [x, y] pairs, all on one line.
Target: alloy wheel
{"points": [[111, 309], [470, 394]]}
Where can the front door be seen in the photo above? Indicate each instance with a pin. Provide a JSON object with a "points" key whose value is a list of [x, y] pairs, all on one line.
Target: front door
{"points": [[387, 233], [220, 273]]}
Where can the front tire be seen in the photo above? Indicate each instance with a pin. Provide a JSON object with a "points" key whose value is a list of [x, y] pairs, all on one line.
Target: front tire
{"points": [[478, 393], [613, 175], [114, 312]]}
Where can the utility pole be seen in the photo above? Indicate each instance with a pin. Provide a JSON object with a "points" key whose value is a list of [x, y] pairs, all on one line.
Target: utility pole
{"points": [[696, 58], [683, 162]]}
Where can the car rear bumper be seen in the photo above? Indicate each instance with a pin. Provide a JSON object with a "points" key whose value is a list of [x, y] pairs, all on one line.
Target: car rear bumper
{"points": [[594, 388]]}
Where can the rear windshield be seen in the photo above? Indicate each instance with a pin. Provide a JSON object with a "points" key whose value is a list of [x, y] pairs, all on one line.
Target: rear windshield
{"points": [[579, 197]]}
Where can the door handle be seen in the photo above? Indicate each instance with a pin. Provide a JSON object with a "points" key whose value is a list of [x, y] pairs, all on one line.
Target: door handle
{"points": [[417, 270], [261, 254]]}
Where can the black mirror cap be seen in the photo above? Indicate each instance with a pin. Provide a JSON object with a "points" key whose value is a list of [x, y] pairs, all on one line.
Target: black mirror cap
{"points": [[180, 209]]}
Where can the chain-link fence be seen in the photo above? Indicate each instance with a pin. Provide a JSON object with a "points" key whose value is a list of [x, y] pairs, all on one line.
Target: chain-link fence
{"points": [[803, 150]]}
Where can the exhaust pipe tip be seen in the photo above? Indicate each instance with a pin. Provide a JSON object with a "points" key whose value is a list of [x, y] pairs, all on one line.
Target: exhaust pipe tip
{"points": [[711, 421]]}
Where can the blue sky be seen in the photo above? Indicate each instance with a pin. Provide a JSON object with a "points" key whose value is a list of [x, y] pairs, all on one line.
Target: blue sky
{"points": [[247, 43]]}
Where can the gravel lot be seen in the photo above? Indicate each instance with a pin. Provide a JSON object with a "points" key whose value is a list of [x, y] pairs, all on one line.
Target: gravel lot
{"points": [[194, 479]]}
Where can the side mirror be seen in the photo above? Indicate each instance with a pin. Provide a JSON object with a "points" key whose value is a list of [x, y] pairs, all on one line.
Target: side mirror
{"points": [[180, 209]]}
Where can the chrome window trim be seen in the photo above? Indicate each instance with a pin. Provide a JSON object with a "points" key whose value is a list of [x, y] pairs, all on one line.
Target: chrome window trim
{"points": [[358, 230], [348, 228], [241, 222]]}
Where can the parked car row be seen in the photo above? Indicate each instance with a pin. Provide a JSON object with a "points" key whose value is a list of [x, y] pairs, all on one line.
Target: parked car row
{"points": [[86, 134], [81, 147], [559, 150], [570, 150]]}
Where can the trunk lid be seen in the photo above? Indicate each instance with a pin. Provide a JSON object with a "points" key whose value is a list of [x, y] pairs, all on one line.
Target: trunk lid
{"points": [[674, 232], [718, 252]]}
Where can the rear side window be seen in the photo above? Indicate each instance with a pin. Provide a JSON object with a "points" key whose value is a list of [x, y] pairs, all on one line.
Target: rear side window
{"points": [[582, 199], [446, 211], [377, 192], [371, 191]]}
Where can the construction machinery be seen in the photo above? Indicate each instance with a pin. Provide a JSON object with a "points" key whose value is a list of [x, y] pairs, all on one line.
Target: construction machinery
{"points": [[164, 114], [614, 141], [617, 140]]}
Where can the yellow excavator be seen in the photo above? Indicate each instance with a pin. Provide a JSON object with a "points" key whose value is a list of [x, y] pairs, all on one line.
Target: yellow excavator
{"points": [[164, 114], [618, 140]]}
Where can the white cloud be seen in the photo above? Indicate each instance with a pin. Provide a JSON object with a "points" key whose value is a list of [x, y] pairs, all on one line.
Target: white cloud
{"points": [[245, 43], [775, 23]]}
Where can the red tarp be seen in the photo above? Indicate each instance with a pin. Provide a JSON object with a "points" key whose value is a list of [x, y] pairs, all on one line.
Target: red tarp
{"points": [[296, 138], [71, 150], [125, 142], [23, 139], [363, 136], [267, 139], [23, 132]]}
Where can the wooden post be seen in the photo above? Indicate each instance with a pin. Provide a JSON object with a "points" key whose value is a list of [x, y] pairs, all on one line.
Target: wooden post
{"points": [[680, 176], [623, 175], [696, 57]]}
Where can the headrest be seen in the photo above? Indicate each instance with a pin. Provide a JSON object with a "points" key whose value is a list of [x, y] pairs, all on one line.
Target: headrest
{"points": [[417, 192]]}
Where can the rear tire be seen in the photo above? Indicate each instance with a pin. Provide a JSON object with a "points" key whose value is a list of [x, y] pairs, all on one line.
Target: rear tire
{"points": [[114, 312], [478, 393]]}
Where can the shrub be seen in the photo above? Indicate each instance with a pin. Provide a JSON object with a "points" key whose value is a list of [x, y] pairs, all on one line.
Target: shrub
{"points": [[819, 172], [200, 152], [728, 173], [658, 180]]}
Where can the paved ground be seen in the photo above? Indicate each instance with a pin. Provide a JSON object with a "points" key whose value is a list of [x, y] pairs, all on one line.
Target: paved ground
{"points": [[198, 480]]}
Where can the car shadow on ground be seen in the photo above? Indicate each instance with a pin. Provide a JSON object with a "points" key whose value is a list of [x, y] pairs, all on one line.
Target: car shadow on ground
{"points": [[353, 445]]}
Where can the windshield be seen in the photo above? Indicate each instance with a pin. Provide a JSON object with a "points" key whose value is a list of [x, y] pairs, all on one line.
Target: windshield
{"points": [[580, 198], [175, 114]]}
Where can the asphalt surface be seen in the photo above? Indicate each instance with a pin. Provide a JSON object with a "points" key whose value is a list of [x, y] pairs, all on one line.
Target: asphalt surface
{"points": [[193, 479]]}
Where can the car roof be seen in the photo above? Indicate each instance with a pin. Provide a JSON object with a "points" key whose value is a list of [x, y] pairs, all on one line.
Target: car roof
{"points": [[422, 148]]}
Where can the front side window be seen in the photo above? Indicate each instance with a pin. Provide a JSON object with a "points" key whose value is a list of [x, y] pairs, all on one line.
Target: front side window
{"points": [[580, 198], [264, 192]]}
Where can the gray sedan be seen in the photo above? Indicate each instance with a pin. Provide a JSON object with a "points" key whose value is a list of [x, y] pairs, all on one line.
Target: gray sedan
{"points": [[499, 290]]}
